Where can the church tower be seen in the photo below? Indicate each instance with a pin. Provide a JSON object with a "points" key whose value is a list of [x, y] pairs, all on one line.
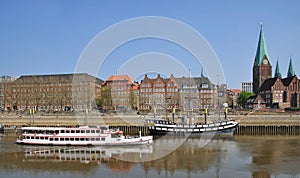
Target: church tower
{"points": [[262, 68]]}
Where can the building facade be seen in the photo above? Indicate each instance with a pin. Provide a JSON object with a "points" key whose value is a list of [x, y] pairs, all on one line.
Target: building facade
{"points": [[159, 95], [3, 83], [52, 92], [280, 92], [123, 92], [247, 87], [182, 94]]}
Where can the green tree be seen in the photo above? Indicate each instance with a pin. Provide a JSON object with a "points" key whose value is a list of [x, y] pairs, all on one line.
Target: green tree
{"points": [[105, 100], [242, 99]]}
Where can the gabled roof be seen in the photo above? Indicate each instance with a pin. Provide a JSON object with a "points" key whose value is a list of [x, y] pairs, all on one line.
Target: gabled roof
{"points": [[261, 48], [288, 80], [268, 83]]}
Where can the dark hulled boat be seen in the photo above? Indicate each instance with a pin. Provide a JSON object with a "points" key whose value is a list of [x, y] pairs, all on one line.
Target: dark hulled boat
{"points": [[165, 127]]}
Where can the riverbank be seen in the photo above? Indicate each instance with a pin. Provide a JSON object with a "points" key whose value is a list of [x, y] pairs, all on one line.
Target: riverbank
{"points": [[9, 120], [253, 124]]}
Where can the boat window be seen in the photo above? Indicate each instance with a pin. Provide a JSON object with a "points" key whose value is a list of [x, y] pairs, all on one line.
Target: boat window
{"points": [[81, 139], [51, 139], [67, 139], [71, 139], [62, 139], [92, 139], [88, 131], [67, 131], [42, 138], [57, 131], [76, 139], [82, 131], [27, 137], [93, 131], [77, 131], [62, 131], [56, 139], [97, 139], [103, 139], [97, 131], [72, 131]]}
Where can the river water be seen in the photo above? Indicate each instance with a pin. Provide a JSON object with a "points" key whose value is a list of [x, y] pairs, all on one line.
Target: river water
{"points": [[240, 156]]}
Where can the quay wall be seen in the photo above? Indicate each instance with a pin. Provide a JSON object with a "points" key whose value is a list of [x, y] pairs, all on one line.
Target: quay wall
{"points": [[248, 124]]}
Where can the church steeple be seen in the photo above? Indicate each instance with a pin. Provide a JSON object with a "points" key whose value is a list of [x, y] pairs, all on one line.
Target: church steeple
{"points": [[202, 73], [291, 71], [261, 50], [277, 70], [262, 69]]}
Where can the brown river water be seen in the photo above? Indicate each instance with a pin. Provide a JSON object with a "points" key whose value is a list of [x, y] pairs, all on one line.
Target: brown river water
{"points": [[238, 156]]}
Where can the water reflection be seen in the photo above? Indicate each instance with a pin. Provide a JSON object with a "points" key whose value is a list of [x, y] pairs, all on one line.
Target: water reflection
{"points": [[241, 156], [271, 155]]}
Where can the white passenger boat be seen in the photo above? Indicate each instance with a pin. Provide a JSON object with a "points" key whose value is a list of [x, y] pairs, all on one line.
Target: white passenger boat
{"points": [[83, 135]]}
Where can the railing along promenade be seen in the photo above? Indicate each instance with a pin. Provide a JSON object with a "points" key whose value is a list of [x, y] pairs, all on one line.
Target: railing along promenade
{"points": [[255, 124]]}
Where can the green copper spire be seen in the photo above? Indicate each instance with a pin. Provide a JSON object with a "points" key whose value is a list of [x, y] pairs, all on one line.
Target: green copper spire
{"points": [[261, 48], [291, 71], [277, 70], [202, 72]]}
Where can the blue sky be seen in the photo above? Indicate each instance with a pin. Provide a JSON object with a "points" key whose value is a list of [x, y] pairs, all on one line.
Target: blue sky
{"points": [[48, 37]]}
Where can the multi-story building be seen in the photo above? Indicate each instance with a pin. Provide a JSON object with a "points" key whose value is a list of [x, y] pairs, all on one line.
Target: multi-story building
{"points": [[247, 87], [3, 82], [183, 94], [123, 92], [52, 92], [159, 94]]}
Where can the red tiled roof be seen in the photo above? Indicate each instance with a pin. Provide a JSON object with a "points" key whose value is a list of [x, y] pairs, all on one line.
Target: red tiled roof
{"points": [[120, 78]]}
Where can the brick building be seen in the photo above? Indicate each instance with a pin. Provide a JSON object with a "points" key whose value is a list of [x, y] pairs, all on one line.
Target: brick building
{"points": [[124, 92], [183, 94], [3, 81], [276, 92], [52, 92], [279, 92]]}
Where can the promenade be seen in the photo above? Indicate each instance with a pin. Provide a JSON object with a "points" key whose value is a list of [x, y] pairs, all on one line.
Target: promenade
{"points": [[13, 119]]}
